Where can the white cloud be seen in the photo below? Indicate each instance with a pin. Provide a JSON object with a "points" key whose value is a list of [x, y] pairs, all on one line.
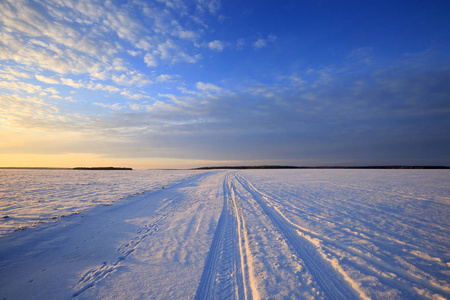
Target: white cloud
{"points": [[133, 53], [184, 34], [46, 79], [132, 79], [135, 106], [170, 52], [8, 77], [52, 91], [30, 113], [186, 91], [115, 106], [175, 5], [164, 77], [296, 81], [101, 87], [207, 87], [18, 86], [211, 6], [150, 60], [132, 95], [261, 43], [70, 82], [90, 85], [170, 96], [15, 73], [216, 45]]}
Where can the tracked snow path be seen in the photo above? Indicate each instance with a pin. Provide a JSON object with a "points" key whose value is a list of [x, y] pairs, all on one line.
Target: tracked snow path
{"points": [[228, 270]]}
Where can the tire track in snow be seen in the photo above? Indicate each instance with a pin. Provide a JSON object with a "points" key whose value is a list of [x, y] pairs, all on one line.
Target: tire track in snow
{"points": [[332, 282], [250, 289], [227, 273]]}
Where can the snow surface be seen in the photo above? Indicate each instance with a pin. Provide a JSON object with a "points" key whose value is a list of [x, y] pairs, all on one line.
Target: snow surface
{"points": [[252, 234], [32, 197]]}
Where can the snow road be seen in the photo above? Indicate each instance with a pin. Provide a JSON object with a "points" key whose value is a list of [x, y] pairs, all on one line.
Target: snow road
{"points": [[252, 234]]}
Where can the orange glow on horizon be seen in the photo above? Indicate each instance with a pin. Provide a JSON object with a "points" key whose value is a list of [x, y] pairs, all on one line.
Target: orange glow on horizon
{"points": [[71, 160]]}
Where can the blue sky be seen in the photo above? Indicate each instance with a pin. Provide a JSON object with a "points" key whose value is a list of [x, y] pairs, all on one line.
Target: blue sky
{"points": [[173, 83]]}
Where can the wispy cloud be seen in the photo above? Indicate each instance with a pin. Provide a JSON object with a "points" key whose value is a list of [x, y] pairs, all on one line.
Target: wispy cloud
{"points": [[165, 77], [208, 87], [32, 112], [72, 83], [132, 79], [115, 106], [18, 86], [46, 79], [216, 45], [261, 42]]}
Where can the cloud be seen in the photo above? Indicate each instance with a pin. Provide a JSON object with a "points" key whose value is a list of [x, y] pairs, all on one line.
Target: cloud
{"points": [[114, 107], [8, 77], [52, 91], [32, 113], [90, 85], [170, 52], [131, 95], [101, 87], [132, 79], [216, 45], [90, 37], [17, 86], [261, 43], [150, 60], [14, 73], [164, 77], [133, 53], [46, 79], [185, 34], [207, 87], [70, 82], [211, 6]]}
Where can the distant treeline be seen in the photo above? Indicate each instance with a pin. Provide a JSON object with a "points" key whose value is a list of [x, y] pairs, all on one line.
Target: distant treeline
{"points": [[33, 168], [78, 168], [101, 168], [321, 167]]}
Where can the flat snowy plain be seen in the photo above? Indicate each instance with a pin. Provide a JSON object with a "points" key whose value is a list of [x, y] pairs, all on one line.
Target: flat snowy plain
{"points": [[253, 234]]}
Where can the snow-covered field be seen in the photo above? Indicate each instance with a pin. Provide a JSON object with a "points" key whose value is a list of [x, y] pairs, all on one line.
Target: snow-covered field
{"points": [[31, 197], [261, 234]]}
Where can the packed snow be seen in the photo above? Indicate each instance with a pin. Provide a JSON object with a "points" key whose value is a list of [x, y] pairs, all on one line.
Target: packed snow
{"points": [[247, 234]]}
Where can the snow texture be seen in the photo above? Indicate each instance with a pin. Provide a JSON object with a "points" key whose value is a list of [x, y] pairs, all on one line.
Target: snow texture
{"points": [[32, 197], [252, 234]]}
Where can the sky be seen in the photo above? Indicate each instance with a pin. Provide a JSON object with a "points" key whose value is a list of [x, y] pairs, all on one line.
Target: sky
{"points": [[180, 84]]}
